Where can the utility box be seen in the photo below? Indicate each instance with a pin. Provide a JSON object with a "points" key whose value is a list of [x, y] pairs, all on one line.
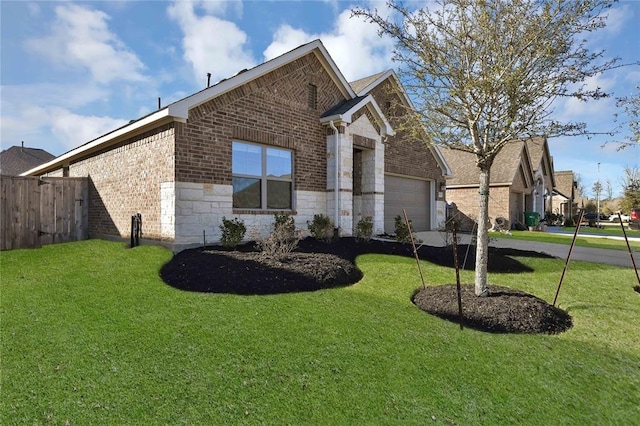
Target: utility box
{"points": [[531, 218]]}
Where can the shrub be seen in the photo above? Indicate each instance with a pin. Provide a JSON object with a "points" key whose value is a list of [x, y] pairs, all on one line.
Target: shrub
{"points": [[569, 222], [364, 229], [403, 233], [321, 228], [283, 238], [233, 231]]}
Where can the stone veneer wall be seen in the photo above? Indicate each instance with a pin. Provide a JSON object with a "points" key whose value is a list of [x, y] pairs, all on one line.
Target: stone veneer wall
{"points": [[201, 206], [127, 179], [370, 201]]}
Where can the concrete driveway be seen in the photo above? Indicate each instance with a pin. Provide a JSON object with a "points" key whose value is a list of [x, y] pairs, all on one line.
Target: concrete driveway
{"points": [[587, 254]]}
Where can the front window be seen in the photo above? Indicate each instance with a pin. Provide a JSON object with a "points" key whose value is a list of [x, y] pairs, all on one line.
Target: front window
{"points": [[262, 177]]}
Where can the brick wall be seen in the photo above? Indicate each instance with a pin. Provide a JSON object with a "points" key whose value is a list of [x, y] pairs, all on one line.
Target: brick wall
{"points": [[127, 179], [272, 110], [403, 154], [467, 201]]}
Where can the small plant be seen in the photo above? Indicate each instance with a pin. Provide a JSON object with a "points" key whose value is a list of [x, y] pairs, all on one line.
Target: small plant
{"points": [[283, 238], [403, 233], [233, 231], [321, 228], [364, 229]]}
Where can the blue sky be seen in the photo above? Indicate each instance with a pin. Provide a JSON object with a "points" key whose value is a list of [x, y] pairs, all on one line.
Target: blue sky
{"points": [[72, 71]]}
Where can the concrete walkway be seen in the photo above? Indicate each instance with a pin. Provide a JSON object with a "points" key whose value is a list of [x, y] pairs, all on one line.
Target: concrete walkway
{"points": [[587, 254]]}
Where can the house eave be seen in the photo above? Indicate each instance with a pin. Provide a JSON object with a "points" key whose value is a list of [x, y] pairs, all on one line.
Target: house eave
{"points": [[347, 116], [156, 119]]}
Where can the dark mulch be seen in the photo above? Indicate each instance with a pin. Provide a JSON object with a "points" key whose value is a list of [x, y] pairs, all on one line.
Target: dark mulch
{"points": [[637, 288], [505, 310], [316, 265]]}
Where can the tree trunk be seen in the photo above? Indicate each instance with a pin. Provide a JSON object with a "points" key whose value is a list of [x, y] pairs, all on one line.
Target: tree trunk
{"points": [[482, 240]]}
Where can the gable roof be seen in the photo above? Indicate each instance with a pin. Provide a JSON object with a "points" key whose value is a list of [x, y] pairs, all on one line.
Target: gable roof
{"points": [[539, 152], [18, 159], [179, 110], [345, 110], [565, 182], [367, 84], [511, 158]]}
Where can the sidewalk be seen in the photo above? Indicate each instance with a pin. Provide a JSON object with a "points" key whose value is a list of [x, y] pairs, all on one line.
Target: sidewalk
{"points": [[587, 254]]}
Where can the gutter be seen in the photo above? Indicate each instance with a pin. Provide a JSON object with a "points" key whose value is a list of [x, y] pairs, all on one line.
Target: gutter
{"points": [[153, 120]]}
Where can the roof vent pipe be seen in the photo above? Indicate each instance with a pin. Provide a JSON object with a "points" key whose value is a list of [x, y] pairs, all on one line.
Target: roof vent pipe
{"points": [[22, 149], [159, 103], [208, 79]]}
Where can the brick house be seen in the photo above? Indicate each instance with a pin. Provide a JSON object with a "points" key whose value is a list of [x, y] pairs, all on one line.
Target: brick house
{"points": [[565, 194], [521, 181], [415, 173], [260, 142]]}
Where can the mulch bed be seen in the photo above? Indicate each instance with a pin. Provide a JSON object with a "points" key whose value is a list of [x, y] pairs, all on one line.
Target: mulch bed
{"points": [[505, 310], [316, 265]]}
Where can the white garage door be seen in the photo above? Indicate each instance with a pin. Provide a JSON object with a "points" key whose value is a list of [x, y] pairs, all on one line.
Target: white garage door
{"points": [[410, 194]]}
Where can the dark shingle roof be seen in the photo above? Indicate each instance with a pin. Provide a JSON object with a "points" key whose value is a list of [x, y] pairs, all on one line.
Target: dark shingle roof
{"points": [[343, 107], [17, 159], [564, 182], [465, 171]]}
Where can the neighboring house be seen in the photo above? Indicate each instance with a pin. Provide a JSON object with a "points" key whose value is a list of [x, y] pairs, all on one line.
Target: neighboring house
{"points": [[260, 142], [521, 180], [540, 200], [415, 173], [19, 159], [565, 194]]}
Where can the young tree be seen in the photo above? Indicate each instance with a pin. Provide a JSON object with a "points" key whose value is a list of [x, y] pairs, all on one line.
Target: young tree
{"points": [[629, 107], [483, 73], [609, 189], [631, 187]]}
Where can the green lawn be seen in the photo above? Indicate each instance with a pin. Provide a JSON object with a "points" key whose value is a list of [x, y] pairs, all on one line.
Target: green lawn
{"points": [[585, 237], [91, 335]]}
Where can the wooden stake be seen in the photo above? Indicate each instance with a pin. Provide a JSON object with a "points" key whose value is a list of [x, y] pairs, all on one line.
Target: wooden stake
{"points": [[413, 244], [455, 262], [633, 262], [566, 263]]}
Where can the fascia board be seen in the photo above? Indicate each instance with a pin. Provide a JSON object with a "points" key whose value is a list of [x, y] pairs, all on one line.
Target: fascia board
{"points": [[367, 101], [181, 108], [151, 120]]}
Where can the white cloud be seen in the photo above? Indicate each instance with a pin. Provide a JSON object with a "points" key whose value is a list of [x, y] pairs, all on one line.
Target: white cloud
{"points": [[221, 8], [353, 44], [68, 95], [80, 38], [35, 125], [572, 108], [41, 115], [73, 129], [210, 44], [617, 18]]}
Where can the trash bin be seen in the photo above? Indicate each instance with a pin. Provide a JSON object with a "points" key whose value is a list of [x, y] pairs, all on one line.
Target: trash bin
{"points": [[531, 218]]}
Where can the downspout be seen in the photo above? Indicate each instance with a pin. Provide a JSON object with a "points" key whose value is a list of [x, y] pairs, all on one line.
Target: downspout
{"points": [[336, 190]]}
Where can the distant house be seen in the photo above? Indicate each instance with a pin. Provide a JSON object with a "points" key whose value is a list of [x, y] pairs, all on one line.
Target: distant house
{"points": [[521, 180], [565, 194], [19, 159], [290, 135]]}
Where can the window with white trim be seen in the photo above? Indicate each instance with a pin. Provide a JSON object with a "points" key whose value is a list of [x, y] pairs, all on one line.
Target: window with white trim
{"points": [[262, 177]]}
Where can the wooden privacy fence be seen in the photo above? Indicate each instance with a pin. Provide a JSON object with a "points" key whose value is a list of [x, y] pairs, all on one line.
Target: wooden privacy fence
{"points": [[35, 212]]}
